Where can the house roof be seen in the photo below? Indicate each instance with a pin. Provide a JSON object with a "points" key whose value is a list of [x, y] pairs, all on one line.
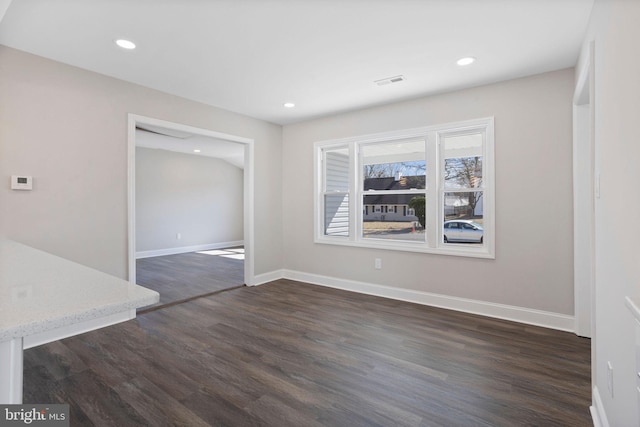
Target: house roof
{"points": [[390, 183]]}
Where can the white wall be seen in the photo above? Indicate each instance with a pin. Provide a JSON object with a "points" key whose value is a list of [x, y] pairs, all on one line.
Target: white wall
{"points": [[614, 28], [68, 128], [534, 230], [199, 197]]}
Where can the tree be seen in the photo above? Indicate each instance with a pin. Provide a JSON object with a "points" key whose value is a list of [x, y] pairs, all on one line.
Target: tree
{"points": [[382, 170], [387, 170], [418, 204], [465, 173]]}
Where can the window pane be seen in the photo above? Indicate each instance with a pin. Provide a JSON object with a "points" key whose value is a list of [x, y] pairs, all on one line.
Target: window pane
{"points": [[463, 161], [393, 217], [463, 214], [336, 215], [336, 169], [394, 166]]}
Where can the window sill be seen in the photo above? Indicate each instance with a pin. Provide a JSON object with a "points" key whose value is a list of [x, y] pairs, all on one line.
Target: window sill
{"points": [[451, 249]]}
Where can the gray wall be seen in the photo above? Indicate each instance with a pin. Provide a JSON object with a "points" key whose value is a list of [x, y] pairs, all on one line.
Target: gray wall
{"points": [[68, 128], [534, 229], [199, 197]]}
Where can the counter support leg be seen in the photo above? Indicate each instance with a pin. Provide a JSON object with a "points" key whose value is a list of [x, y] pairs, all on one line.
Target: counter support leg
{"points": [[11, 371]]}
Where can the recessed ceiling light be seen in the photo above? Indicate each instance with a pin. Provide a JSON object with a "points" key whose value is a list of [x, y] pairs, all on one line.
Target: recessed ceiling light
{"points": [[466, 61], [196, 151], [289, 105], [126, 44]]}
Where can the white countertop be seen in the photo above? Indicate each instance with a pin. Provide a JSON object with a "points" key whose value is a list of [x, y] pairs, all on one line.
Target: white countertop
{"points": [[40, 292]]}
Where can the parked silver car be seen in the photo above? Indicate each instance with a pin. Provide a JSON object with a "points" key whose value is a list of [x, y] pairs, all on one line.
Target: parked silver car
{"points": [[462, 230]]}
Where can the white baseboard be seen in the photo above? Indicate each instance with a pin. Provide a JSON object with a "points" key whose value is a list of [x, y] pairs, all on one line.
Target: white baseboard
{"points": [[529, 316], [597, 410], [261, 279], [186, 249]]}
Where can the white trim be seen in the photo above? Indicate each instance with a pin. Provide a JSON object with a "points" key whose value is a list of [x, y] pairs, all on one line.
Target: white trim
{"points": [[11, 369], [249, 225], [407, 133], [581, 91], [261, 279], [598, 414], [187, 249], [131, 196], [583, 201], [133, 119], [434, 191], [454, 249], [528, 316]]}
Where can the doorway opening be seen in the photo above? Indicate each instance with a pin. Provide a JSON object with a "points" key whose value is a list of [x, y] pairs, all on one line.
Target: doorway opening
{"points": [[190, 209]]}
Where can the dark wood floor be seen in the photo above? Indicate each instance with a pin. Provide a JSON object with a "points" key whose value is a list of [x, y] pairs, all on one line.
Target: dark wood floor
{"points": [[293, 354], [183, 276]]}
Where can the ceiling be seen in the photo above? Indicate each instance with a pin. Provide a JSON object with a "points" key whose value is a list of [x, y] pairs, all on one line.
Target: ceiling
{"points": [[157, 137], [252, 56]]}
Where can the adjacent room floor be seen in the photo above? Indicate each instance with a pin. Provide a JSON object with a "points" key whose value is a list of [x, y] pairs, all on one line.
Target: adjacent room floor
{"points": [[183, 276], [293, 354]]}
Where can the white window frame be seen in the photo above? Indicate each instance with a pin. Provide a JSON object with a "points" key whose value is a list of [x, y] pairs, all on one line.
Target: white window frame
{"points": [[434, 191]]}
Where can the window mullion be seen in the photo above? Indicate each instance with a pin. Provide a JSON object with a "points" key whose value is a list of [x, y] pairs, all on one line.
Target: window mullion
{"points": [[355, 212], [320, 191], [433, 194]]}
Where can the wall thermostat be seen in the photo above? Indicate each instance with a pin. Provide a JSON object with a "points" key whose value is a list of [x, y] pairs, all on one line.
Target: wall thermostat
{"points": [[21, 182]]}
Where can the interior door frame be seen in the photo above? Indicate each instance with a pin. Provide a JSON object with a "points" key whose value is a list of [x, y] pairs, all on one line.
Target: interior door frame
{"points": [[248, 143], [585, 189]]}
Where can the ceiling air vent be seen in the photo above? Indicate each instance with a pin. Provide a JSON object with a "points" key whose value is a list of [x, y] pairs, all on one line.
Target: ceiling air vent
{"points": [[389, 80]]}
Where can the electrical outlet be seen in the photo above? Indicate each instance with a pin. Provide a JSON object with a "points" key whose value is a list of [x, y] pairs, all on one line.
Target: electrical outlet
{"points": [[178, 236], [378, 264], [610, 378]]}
